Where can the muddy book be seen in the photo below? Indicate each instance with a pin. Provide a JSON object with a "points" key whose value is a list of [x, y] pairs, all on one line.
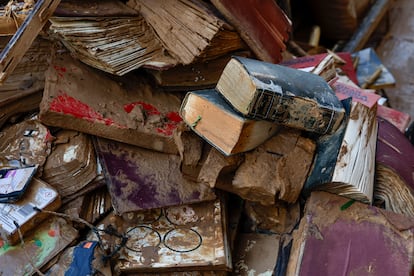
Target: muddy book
{"points": [[128, 109], [345, 161], [43, 244], [140, 179], [212, 118], [339, 236], [40, 195], [394, 188], [184, 238], [283, 95]]}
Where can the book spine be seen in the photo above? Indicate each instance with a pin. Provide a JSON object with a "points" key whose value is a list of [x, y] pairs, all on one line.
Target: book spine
{"points": [[294, 112]]}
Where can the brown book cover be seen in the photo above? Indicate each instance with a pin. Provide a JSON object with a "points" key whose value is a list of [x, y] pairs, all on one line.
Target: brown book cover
{"points": [[190, 237], [125, 109], [71, 164]]}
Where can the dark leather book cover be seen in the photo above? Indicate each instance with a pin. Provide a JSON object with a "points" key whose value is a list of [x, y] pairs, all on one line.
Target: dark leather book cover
{"points": [[287, 96]]}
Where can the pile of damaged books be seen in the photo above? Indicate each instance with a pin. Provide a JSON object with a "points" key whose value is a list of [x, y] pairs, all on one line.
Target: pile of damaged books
{"points": [[173, 138]]}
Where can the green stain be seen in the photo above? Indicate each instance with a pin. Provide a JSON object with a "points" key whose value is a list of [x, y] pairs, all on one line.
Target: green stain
{"points": [[347, 204], [38, 243]]}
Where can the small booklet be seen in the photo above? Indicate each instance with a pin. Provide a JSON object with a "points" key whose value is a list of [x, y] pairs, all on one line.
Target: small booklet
{"points": [[13, 182]]}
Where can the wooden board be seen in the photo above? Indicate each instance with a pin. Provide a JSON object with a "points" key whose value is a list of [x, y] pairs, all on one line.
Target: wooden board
{"points": [[23, 38]]}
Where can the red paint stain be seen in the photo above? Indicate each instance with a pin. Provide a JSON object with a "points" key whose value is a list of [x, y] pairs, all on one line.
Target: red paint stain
{"points": [[69, 105], [148, 108], [60, 70], [51, 233], [172, 118], [1, 243]]}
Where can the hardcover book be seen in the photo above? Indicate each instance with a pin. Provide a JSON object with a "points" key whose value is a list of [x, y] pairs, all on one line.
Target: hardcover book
{"points": [[212, 118], [189, 237], [129, 109], [345, 160], [280, 94], [394, 187], [140, 179], [339, 236]]}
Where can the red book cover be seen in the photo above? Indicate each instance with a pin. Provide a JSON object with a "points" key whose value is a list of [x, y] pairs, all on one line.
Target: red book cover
{"points": [[338, 236]]}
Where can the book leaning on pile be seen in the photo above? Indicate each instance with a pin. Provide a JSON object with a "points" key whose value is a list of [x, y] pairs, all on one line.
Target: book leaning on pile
{"points": [[287, 96]]}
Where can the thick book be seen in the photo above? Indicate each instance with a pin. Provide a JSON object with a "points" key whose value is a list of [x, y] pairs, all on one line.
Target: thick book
{"points": [[125, 109], [394, 187], [140, 179], [345, 161], [189, 237], [280, 94], [339, 236], [40, 195], [212, 118], [189, 30]]}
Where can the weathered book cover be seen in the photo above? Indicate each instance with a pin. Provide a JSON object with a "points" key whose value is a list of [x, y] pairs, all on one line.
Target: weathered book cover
{"points": [[337, 236], [345, 160], [25, 144], [262, 24], [341, 61], [277, 169], [190, 237], [140, 179], [369, 62], [280, 94], [394, 169], [260, 254], [128, 109], [399, 119], [71, 164], [40, 195], [48, 240], [212, 118]]}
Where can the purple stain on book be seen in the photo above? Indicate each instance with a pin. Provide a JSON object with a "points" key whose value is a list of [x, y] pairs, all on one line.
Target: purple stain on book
{"points": [[140, 179], [346, 248]]}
